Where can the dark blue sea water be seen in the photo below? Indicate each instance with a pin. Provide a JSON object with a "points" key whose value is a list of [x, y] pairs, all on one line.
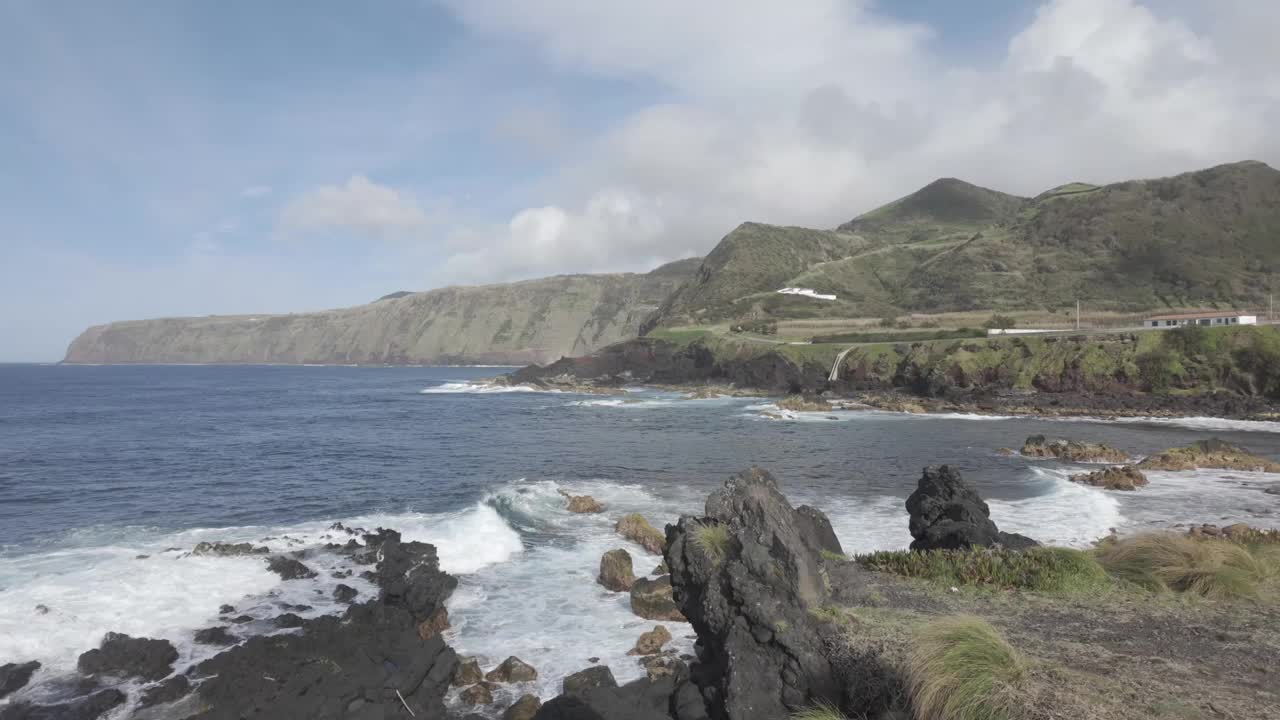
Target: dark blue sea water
{"points": [[101, 465]]}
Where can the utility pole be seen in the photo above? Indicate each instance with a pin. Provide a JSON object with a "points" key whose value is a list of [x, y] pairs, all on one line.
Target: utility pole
{"points": [[1077, 314]]}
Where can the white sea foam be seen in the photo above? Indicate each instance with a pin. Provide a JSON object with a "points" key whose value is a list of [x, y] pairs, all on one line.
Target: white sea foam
{"points": [[547, 608], [1195, 423], [1067, 513], [478, 388]]}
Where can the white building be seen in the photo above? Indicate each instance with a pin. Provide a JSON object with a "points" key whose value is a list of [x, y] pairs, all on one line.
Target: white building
{"points": [[1201, 318], [807, 292]]}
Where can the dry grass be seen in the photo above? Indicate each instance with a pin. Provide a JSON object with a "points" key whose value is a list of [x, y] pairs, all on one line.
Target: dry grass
{"points": [[1214, 569], [961, 668], [1043, 569], [821, 711]]}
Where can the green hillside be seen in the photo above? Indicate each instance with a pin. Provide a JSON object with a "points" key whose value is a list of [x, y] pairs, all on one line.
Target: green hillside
{"points": [[1206, 238]]}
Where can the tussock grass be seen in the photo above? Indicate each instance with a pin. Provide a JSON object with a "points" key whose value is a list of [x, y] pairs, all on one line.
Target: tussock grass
{"points": [[1215, 569], [821, 711], [1043, 569], [961, 668], [712, 540]]}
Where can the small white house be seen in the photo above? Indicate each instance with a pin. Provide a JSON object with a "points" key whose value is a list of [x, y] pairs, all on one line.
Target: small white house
{"points": [[1201, 318], [807, 292]]}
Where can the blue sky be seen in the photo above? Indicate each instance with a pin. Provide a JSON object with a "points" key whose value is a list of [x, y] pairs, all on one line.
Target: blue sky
{"points": [[233, 157]]}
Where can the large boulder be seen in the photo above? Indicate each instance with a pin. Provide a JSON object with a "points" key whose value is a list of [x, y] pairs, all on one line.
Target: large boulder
{"points": [[512, 670], [653, 600], [369, 663], [747, 575], [947, 514], [215, 636], [15, 676], [616, 572], [584, 504], [638, 530], [468, 673], [593, 677], [123, 656], [523, 709], [640, 700], [171, 690], [650, 643]]}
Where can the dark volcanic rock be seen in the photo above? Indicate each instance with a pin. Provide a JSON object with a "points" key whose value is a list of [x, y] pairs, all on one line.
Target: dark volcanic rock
{"points": [[947, 514], [226, 609], [289, 569], [523, 709], [15, 676], [583, 680], [641, 700], [215, 636], [357, 667], [289, 620], [345, 593], [175, 688], [85, 708], [768, 576], [815, 527], [124, 656]]}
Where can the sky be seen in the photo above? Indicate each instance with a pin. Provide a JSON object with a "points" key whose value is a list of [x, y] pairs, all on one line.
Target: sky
{"points": [[195, 158]]}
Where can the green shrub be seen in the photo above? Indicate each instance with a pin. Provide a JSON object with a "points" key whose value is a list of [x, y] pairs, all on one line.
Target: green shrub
{"points": [[1191, 340], [960, 668], [1159, 369], [712, 540], [889, 322], [1043, 569], [1000, 322], [1213, 568]]}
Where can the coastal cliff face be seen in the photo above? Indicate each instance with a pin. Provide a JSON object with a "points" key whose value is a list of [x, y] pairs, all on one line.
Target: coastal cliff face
{"points": [[532, 321]]}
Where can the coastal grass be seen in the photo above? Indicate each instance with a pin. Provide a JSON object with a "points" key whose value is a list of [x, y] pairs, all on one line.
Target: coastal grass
{"points": [[961, 668], [821, 711], [1214, 569], [1042, 569], [712, 540]]}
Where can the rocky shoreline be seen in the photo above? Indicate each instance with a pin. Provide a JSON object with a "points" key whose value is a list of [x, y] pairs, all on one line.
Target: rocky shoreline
{"points": [[907, 386]]}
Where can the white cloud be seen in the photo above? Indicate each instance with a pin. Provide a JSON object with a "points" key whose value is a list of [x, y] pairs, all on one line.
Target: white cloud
{"points": [[361, 206], [812, 111], [256, 191]]}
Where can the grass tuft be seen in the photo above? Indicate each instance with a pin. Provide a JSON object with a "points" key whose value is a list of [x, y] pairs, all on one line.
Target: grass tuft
{"points": [[821, 711], [1043, 569], [961, 668], [712, 540], [1215, 569]]}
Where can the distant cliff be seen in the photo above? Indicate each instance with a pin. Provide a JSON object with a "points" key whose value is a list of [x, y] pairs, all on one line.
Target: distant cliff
{"points": [[524, 322]]}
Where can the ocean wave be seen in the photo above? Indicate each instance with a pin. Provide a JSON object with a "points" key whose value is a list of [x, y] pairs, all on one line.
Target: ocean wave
{"points": [[1065, 513], [478, 388]]}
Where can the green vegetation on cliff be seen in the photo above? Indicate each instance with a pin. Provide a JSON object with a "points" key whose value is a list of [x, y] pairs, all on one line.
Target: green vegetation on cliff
{"points": [[1206, 238]]}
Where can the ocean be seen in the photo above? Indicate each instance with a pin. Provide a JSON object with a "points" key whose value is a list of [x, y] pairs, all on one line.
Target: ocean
{"points": [[109, 475]]}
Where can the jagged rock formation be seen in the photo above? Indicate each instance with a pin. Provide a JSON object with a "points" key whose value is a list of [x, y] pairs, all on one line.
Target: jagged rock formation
{"points": [[1072, 450], [947, 514], [531, 321], [1126, 477], [1211, 453], [747, 575]]}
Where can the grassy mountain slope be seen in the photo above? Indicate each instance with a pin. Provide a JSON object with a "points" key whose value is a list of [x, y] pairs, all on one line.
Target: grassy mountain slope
{"points": [[1210, 237], [531, 321]]}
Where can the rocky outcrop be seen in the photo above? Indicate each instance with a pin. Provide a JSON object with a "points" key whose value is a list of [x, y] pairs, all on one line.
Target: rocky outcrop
{"points": [[222, 549], [171, 690], [523, 709], [127, 657], [468, 673], [1239, 532], [760, 653], [599, 698], [804, 403], [89, 707], [616, 572], [652, 599], [479, 694], [215, 636], [512, 670], [650, 643], [638, 530], [1211, 454], [1125, 477], [370, 662], [947, 514], [581, 682], [584, 504], [289, 569], [531, 321], [1072, 450], [15, 676], [344, 593]]}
